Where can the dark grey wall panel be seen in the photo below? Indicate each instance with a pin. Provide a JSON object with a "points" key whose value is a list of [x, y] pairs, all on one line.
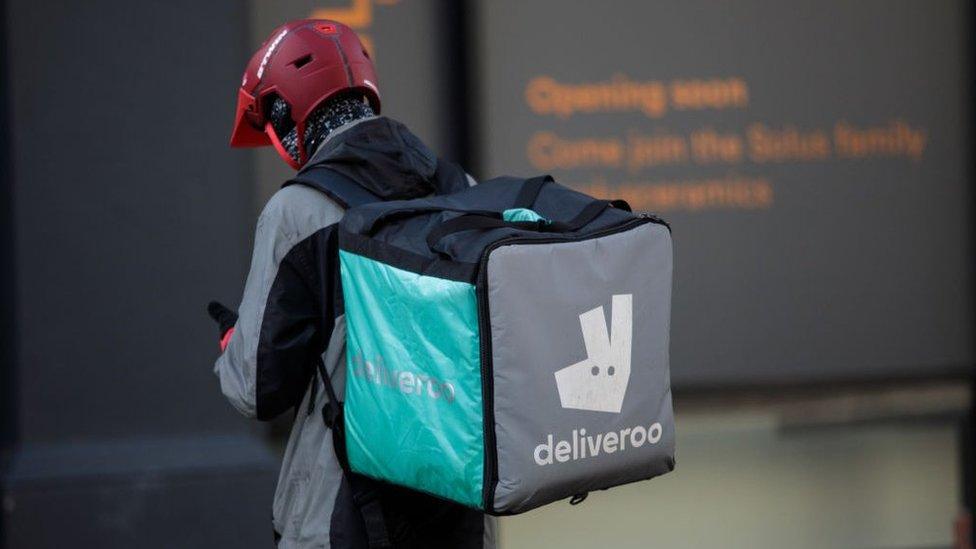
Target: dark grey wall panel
{"points": [[828, 269], [8, 353], [130, 212], [165, 493]]}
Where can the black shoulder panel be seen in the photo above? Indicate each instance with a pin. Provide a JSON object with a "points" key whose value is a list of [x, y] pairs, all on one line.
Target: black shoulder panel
{"points": [[298, 319]]}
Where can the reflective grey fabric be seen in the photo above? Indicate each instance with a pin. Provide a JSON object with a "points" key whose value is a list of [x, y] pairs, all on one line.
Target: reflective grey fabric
{"points": [[292, 214], [310, 474]]}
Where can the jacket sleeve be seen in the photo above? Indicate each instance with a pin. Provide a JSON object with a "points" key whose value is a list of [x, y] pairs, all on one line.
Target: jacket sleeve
{"points": [[285, 313]]}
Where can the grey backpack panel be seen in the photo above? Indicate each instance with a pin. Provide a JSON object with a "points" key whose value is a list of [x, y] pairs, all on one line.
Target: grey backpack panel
{"points": [[566, 319]]}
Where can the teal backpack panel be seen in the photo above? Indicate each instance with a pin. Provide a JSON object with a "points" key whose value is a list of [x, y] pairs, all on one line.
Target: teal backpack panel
{"points": [[413, 403]]}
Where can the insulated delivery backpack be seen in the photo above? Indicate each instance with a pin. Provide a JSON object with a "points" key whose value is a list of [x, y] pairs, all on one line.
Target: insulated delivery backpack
{"points": [[507, 345]]}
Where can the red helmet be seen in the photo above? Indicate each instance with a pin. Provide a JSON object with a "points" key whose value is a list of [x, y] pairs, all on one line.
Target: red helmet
{"points": [[304, 63]]}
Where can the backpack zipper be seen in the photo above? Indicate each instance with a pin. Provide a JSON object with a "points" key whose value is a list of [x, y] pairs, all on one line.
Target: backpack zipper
{"points": [[490, 474]]}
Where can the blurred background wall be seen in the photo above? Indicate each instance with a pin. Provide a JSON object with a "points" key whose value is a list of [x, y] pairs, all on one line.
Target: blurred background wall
{"points": [[813, 158], [128, 213]]}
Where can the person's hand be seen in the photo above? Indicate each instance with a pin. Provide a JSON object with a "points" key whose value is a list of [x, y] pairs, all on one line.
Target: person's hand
{"points": [[225, 319]]}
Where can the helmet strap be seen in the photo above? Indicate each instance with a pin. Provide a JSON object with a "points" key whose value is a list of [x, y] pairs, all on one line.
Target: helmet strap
{"points": [[282, 151]]}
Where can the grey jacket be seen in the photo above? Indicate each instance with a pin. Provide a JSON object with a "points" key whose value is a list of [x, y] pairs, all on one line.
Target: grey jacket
{"points": [[289, 317]]}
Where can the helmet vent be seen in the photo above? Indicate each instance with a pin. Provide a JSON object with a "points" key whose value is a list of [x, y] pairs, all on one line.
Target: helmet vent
{"points": [[302, 61], [326, 28]]}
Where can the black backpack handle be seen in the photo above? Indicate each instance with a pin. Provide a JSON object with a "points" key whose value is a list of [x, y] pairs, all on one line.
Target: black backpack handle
{"points": [[373, 226], [526, 198], [530, 191], [481, 221], [531, 188]]}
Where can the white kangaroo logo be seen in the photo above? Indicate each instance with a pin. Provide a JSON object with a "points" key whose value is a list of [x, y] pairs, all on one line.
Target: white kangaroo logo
{"points": [[599, 382]]}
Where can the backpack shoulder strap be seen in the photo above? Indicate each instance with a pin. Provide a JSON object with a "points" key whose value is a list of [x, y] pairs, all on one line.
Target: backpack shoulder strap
{"points": [[365, 492], [335, 185], [348, 194]]}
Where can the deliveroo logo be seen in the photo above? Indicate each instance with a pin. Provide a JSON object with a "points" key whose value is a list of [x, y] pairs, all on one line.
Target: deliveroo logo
{"points": [[599, 382]]}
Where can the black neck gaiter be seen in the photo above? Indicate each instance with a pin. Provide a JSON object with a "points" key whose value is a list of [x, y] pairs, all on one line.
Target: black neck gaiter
{"points": [[336, 112]]}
